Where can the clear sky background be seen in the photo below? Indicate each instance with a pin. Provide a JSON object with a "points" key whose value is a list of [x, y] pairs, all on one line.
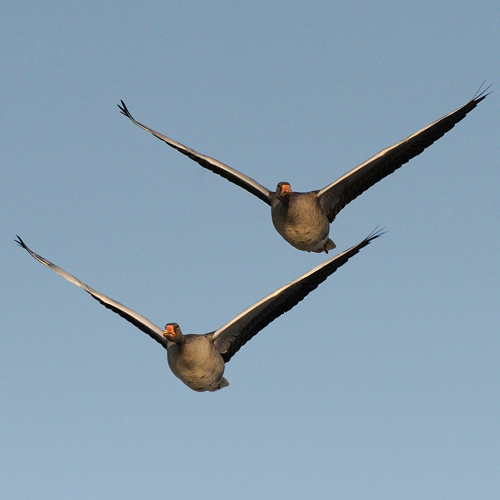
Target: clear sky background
{"points": [[384, 383]]}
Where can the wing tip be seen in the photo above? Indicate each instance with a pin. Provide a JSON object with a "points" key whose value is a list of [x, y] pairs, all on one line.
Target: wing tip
{"points": [[376, 233], [21, 243], [124, 110], [482, 94]]}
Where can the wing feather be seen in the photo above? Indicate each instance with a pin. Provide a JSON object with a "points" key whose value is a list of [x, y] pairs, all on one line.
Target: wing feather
{"points": [[233, 335], [131, 316], [207, 162], [335, 196]]}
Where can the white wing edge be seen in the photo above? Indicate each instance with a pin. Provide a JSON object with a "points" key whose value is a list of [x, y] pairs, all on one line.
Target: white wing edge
{"points": [[69, 277], [385, 151], [208, 159], [283, 288]]}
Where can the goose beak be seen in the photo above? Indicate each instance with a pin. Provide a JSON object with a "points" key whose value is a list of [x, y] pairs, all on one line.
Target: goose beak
{"points": [[169, 331], [286, 189]]}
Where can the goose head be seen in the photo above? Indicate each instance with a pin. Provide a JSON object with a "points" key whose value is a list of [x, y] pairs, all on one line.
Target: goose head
{"points": [[283, 190], [173, 333]]}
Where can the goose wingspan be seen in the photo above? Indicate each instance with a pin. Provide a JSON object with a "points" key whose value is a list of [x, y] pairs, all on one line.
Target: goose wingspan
{"points": [[207, 162], [232, 336], [136, 319], [335, 196]]}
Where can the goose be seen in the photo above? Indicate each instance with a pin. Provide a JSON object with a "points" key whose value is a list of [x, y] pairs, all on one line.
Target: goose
{"points": [[199, 360], [303, 219]]}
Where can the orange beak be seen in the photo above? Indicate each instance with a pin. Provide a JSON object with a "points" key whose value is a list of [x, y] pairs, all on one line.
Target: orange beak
{"points": [[286, 188], [169, 331]]}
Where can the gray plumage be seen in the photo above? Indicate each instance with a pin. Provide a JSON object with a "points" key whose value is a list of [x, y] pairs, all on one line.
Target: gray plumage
{"points": [[199, 360], [303, 219]]}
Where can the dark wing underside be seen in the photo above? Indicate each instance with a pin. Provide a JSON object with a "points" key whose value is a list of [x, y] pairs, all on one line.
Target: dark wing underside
{"points": [[232, 336], [335, 196], [155, 332], [207, 162]]}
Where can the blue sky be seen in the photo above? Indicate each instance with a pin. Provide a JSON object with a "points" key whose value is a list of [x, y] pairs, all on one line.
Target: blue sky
{"points": [[383, 383]]}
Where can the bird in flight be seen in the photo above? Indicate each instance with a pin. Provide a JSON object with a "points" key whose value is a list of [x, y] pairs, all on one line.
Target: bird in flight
{"points": [[199, 360], [303, 219]]}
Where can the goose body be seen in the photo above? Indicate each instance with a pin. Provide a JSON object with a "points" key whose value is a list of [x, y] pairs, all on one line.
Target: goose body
{"points": [[199, 360], [303, 219]]}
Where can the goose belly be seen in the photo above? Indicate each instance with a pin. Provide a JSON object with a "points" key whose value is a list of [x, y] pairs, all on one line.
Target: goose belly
{"points": [[305, 228], [200, 369]]}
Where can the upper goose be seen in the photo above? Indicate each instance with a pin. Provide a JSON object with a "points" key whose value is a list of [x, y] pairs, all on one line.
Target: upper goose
{"points": [[198, 360], [303, 219]]}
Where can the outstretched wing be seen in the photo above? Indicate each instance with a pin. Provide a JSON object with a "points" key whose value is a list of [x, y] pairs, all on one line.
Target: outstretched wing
{"points": [[236, 333], [139, 321], [212, 164], [335, 196]]}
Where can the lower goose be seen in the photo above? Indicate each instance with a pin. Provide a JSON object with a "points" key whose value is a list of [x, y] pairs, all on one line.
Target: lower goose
{"points": [[199, 360]]}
